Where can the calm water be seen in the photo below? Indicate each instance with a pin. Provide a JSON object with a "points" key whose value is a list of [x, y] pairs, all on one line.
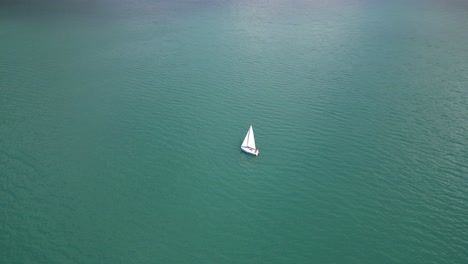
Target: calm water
{"points": [[120, 127]]}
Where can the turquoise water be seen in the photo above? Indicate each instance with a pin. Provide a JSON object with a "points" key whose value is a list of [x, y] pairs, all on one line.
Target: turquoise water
{"points": [[120, 128]]}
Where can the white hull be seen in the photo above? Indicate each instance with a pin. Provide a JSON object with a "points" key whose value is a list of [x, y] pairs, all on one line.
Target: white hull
{"points": [[250, 150]]}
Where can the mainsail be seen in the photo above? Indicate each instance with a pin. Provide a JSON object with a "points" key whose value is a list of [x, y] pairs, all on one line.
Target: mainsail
{"points": [[249, 140]]}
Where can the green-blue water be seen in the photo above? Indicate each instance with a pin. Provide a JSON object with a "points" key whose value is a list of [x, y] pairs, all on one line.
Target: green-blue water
{"points": [[121, 122]]}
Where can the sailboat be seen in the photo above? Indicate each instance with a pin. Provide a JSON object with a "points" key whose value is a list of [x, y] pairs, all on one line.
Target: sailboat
{"points": [[248, 145]]}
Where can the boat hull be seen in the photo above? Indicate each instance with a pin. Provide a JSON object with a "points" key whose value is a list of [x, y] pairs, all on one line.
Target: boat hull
{"points": [[250, 151]]}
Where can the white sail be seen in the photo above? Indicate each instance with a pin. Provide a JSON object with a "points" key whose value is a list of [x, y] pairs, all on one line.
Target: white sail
{"points": [[249, 140]]}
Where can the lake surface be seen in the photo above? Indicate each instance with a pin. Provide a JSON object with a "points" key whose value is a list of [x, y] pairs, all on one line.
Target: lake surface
{"points": [[121, 122]]}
